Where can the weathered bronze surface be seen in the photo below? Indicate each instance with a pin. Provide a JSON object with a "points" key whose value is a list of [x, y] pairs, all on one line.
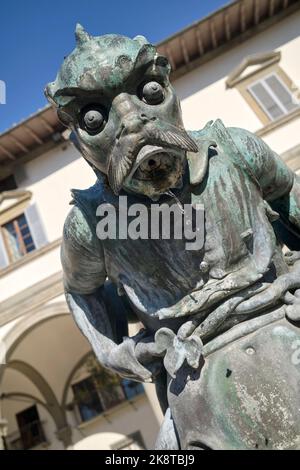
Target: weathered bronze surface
{"points": [[221, 336]]}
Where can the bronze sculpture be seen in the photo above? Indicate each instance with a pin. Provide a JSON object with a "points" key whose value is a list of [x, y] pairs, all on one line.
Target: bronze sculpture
{"points": [[221, 330]]}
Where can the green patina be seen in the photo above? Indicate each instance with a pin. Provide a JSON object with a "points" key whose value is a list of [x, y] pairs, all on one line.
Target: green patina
{"points": [[114, 94]]}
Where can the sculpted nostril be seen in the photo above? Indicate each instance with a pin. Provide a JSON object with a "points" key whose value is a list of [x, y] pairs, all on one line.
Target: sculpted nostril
{"points": [[145, 118]]}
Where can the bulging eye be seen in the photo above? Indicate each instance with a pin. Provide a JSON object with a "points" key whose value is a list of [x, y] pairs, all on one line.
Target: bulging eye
{"points": [[93, 120], [153, 93]]}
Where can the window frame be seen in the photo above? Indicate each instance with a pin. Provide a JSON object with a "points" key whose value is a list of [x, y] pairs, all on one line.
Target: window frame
{"points": [[16, 203], [241, 78], [27, 437], [7, 247], [75, 389], [262, 80], [105, 409]]}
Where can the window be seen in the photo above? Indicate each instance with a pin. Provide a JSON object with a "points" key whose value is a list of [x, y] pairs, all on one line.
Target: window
{"points": [[17, 238], [20, 235], [131, 388], [273, 96], [30, 427], [102, 391], [269, 91], [87, 399]]}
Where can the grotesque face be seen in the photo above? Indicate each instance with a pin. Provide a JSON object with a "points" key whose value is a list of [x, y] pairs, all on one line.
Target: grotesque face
{"points": [[114, 93]]}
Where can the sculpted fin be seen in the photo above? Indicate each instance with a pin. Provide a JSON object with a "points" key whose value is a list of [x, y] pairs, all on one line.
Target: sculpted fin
{"points": [[81, 35], [198, 162]]}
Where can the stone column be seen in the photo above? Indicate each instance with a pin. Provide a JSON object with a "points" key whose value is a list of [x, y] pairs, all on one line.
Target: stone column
{"points": [[3, 433], [151, 395], [65, 436]]}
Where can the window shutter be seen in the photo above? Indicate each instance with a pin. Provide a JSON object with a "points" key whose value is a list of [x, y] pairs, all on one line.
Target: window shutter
{"points": [[281, 92], [36, 227], [4, 261], [273, 96], [264, 98]]}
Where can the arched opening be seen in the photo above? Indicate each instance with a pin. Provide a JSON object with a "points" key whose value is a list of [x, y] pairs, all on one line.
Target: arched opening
{"points": [[40, 352], [54, 393], [91, 390]]}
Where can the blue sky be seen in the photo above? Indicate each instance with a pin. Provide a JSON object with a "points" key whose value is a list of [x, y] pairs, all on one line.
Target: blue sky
{"points": [[36, 35]]}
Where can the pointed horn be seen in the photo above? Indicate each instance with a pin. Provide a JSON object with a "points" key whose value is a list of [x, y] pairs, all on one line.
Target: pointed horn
{"points": [[81, 35], [141, 40]]}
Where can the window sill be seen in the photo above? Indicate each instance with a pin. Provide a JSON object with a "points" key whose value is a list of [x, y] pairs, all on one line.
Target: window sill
{"points": [[278, 123], [114, 409], [30, 257]]}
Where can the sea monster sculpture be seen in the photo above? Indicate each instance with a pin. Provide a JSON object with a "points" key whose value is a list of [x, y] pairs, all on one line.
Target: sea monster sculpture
{"points": [[221, 335]]}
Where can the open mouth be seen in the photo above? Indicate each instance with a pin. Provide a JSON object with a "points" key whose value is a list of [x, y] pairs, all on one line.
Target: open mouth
{"points": [[155, 163], [154, 167], [156, 170]]}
